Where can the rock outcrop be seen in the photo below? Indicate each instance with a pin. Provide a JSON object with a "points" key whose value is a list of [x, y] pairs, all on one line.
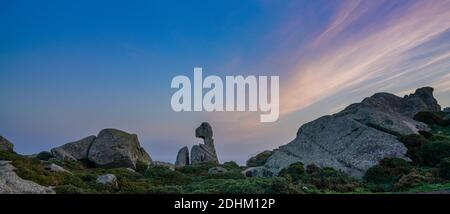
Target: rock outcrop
{"points": [[202, 153], [182, 157], [358, 137], [11, 183], [5, 145], [205, 152], [74, 151], [112, 148]]}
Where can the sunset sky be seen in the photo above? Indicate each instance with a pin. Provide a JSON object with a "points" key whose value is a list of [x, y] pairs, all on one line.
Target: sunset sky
{"points": [[71, 68]]}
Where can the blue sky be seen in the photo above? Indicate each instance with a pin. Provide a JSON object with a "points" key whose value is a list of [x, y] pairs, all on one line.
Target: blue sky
{"points": [[71, 68]]}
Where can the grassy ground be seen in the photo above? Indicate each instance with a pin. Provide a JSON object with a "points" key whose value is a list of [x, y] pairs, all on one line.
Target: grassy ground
{"points": [[427, 173]]}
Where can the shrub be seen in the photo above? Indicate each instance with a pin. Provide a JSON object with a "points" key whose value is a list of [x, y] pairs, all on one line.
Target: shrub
{"points": [[70, 189], [331, 179], [412, 179], [141, 167], [171, 189], [296, 171], [45, 156], [160, 175], [413, 143], [233, 174], [260, 159], [430, 118], [231, 165], [432, 153], [444, 168], [197, 169], [253, 185], [381, 177]]}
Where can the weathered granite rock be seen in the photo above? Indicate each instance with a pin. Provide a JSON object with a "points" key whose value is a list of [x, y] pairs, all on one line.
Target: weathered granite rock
{"points": [[182, 157], [358, 137], [11, 183], [5, 145], [108, 180], [259, 171], [74, 151], [203, 153], [206, 152], [217, 170], [114, 148], [55, 168]]}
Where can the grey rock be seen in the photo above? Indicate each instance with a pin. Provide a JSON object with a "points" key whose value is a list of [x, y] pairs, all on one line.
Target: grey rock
{"points": [[182, 157], [259, 171], [74, 151], [205, 152], [108, 180], [114, 148], [164, 164], [5, 145], [358, 137], [11, 183], [217, 170], [55, 168]]}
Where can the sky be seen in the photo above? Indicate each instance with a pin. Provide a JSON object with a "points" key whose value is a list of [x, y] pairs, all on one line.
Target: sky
{"points": [[69, 69]]}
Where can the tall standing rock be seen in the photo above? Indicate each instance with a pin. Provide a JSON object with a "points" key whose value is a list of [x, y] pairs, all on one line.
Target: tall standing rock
{"points": [[206, 152], [358, 137], [182, 157], [114, 148], [5, 145]]}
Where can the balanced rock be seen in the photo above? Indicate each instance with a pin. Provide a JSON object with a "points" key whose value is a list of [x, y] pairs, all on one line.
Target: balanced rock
{"points": [[74, 151], [358, 137], [11, 183], [5, 145], [206, 152], [182, 157], [114, 148]]}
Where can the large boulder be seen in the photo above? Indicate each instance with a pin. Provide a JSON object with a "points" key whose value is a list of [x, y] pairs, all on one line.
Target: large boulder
{"points": [[358, 137], [182, 157], [11, 183], [5, 145], [206, 152], [74, 151], [114, 148]]}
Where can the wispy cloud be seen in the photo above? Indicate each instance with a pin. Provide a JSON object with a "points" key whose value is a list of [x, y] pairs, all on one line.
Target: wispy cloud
{"points": [[351, 54]]}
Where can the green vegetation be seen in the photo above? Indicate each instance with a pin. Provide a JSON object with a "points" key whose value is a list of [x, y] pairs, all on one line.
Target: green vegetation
{"points": [[260, 159], [428, 171]]}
